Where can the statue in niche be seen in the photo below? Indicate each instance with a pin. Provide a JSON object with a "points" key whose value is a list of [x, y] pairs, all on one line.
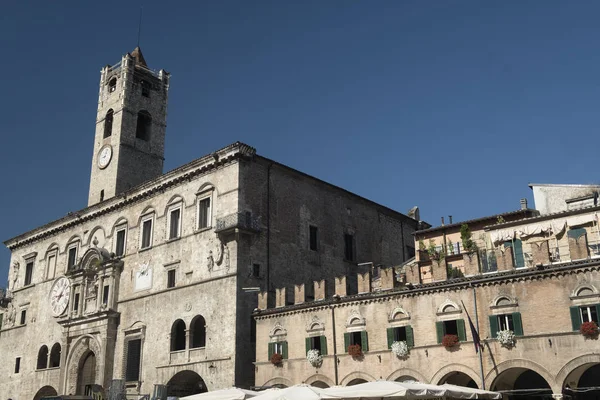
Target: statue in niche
{"points": [[210, 261], [10, 316], [15, 275], [92, 287]]}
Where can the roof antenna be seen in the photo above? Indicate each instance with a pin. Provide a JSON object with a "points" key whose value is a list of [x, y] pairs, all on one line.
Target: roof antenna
{"points": [[140, 26]]}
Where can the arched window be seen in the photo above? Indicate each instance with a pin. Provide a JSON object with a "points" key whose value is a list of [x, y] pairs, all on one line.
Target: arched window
{"points": [[198, 332], [112, 85], [144, 123], [42, 360], [55, 356], [178, 335], [108, 122]]}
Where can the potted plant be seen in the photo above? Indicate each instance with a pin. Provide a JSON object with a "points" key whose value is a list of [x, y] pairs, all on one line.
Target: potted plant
{"points": [[589, 330], [276, 359], [449, 341], [506, 338], [434, 254], [355, 350], [314, 357], [450, 247], [467, 239], [400, 349]]}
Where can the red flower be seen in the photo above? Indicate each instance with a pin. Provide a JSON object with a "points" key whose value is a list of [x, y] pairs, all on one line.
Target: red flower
{"points": [[276, 359], [450, 341], [589, 329], [354, 350]]}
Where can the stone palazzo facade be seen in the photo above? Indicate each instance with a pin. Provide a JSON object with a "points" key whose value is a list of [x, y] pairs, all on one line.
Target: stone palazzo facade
{"points": [[528, 280], [152, 283]]}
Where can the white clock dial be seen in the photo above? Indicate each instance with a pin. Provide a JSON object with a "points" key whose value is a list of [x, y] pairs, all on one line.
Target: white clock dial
{"points": [[59, 295], [104, 156]]}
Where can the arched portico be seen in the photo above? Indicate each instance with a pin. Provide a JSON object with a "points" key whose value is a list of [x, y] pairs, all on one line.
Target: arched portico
{"points": [[45, 391], [186, 383], [580, 375], [506, 375], [456, 374], [355, 378], [78, 358], [279, 382], [403, 374], [319, 380]]}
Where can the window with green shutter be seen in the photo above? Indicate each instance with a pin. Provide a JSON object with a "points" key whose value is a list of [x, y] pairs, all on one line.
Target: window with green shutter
{"points": [[494, 326], [316, 343], [517, 323], [400, 334], [364, 341], [452, 327], [360, 338]]}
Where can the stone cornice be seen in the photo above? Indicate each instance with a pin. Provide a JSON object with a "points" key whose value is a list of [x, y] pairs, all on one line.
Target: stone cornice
{"points": [[175, 177], [505, 277]]}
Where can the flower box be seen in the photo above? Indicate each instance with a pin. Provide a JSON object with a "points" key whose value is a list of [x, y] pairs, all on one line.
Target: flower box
{"points": [[355, 350], [315, 358], [589, 329], [450, 341], [276, 359], [400, 349]]}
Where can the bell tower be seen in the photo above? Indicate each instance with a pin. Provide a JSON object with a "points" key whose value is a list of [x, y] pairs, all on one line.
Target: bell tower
{"points": [[129, 145]]}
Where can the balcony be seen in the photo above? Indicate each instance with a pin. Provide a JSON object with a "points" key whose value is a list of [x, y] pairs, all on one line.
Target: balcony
{"points": [[241, 221]]}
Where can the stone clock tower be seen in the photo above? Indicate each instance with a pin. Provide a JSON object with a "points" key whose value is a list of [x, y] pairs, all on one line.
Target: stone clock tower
{"points": [[130, 127]]}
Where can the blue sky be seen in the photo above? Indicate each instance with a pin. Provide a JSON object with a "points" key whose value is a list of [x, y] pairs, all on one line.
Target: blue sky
{"points": [[454, 106]]}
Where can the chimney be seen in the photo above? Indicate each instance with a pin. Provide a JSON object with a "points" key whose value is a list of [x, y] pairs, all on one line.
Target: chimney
{"points": [[523, 204], [442, 221], [449, 219]]}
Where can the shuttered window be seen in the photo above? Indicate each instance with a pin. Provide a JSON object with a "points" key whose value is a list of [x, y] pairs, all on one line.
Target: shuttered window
{"points": [[400, 334], [581, 314], [453, 327], [504, 322], [279, 348], [317, 343], [361, 338], [134, 352]]}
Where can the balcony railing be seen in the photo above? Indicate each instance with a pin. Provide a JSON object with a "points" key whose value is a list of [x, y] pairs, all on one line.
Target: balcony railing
{"points": [[240, 220]]}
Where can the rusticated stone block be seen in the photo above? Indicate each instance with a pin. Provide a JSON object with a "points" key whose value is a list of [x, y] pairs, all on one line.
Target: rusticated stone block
{"points": [[364, 282], [280, 299], [262, 301], [341, 286], [299, 295], [319, 290]]}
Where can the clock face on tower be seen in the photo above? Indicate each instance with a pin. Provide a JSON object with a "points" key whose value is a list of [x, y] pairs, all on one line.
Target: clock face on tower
{"points": [[104, 156], [59, 295]]}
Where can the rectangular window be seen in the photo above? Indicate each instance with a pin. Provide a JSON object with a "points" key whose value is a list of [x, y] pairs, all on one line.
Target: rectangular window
{"points": [[256, 270], [76, 302], [23, 317], [355, 338], [134, 352], [313, 237], [315, 343], [278, 347], [17, 365], [174, 218], [51, 266], [120, 245], [72, 257], [204, 213], [105, 295], [171, 278], [146, 233], [588, 314], [28, 273], [453, 327], [505, 322], [450, 328], [400, 334], [349, 247]]}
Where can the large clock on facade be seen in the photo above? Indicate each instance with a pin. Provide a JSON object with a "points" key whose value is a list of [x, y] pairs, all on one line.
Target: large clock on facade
{"points": [[104, 156], [59, 295]]}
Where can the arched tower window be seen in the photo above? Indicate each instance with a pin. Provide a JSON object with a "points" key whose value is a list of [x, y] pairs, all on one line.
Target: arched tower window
{"points": [[198, 332], [108, 122], [112, 85], [144, 123], [42, 360], [178, 335], [55, 356]]}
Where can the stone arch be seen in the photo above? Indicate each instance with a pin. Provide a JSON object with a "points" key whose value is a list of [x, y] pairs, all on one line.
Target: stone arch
{"points": [[176, 198], [356, 375], [444, 371], [319, 378], [72, 239], [279, 381], [404, 372], [186, 383], [98, 233], [42, 358], [491, 376], [45, 391], [93, 257], [145, 212], [80, 348], [575, 363], [315, 324], [504, 300], [584, 289], [205, 187], [443, 308], [278, 330], [53, 246], [396, 311], [355, 319]]}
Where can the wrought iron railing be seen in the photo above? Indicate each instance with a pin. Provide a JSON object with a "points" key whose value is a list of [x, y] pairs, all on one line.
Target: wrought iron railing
{"points": [[240, 220]]}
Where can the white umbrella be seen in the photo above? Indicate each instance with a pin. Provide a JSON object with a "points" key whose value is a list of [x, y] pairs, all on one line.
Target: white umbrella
{"points": [[223, 394], [407, 390], [296, 392]]}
